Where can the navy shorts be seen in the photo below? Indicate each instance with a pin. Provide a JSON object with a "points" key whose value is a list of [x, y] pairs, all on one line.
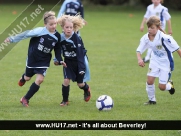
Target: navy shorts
{"points": [[29, 72], [71, 71]]}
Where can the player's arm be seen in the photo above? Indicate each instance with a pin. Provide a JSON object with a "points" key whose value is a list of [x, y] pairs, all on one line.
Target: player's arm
{"points": [[24, 35], [80, 56], [140, 60], [168, 19], [58, 58], [141, 48], [81, 10], [169, 27], [62, 9], [142, 24], [179, 52]]}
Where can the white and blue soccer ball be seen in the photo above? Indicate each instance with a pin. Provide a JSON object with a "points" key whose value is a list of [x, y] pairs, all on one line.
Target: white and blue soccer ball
{"points": [[104, 102]]}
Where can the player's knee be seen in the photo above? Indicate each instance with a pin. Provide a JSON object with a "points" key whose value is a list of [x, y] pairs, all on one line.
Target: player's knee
{"points": [[66, 82], [39, 81], [162, 87], [80, 85], [27, 78], [150, 82]]}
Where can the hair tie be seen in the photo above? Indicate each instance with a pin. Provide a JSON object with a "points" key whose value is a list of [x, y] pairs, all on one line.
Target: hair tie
{"points": [[48, 17]]}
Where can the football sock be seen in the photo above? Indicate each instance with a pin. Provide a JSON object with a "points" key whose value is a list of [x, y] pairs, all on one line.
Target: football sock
{"points": [[168, 86], [65, 92], [23, 78], [151, 92], [33, 89], [85, 87]]}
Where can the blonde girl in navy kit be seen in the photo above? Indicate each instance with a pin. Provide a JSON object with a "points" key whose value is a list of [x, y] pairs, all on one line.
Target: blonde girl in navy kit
{"points": [[43, 41], [75, 57], [161, 62]]}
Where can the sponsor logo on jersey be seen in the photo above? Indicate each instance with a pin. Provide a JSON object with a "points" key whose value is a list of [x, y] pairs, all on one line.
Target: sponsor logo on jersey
{"points": [[53, 44], [157, 14], [159, 47], [41, 40]]}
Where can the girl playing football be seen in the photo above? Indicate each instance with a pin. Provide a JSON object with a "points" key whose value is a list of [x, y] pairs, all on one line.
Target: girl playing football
{"points": [[156, 9], [75, 57], [161, 62], [43, 41]]}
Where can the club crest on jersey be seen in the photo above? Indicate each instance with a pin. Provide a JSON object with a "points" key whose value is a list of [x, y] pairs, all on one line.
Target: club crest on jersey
{"points": [[53, 44], [41, 40], [79, 45], [157, 13], [159, 47]]}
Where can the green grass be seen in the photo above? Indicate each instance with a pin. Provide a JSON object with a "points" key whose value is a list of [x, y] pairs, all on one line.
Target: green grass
{"points": [[111, 38]]}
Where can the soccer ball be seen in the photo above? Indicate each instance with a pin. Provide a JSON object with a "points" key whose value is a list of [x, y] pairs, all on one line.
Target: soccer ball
{"points": [[104, 102]]}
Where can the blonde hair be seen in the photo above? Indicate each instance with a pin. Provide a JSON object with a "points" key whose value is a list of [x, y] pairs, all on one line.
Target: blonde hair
{"points": [[48, 16], [77, 20], [154, 20]]}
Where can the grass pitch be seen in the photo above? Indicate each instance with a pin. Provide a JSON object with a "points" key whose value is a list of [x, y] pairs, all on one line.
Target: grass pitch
{"points": [[111, 38]]}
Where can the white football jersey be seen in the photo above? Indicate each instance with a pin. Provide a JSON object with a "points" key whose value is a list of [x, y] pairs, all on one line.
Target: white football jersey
{"points": [[159, 11], [162, 47]]}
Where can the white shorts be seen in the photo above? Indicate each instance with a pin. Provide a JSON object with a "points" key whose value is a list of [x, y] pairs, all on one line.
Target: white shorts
{"points": [[162, 74]]}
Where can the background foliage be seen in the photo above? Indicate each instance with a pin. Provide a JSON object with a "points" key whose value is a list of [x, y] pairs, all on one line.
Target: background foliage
{"points": [[175, 4]]}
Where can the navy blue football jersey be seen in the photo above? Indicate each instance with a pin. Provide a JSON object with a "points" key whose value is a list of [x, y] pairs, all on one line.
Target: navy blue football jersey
{"points": [[73, 49], [41, 44], [71, 7]]}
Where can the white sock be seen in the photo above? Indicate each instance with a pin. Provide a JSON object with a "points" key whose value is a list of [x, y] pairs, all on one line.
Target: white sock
{"points": [[151, 92], [148, 54], [168, 86]]}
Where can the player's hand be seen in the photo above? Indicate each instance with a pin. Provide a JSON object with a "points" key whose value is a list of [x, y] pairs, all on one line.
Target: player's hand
{"points": [[170, 32], [56, 63], [64, 64], [81, 72], [141, 63], [7, 40], [141, 28]]}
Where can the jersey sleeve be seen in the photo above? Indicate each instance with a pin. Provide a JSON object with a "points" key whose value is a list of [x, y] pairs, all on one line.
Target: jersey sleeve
{"points": [[57, 50], [80, 54], [142, 46], [62, 9], [81, 9], [170, 43], [26, 34], [166, 14], [147, 13]]}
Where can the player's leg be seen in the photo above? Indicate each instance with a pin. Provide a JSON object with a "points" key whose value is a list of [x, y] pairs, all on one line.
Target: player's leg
{"points": [[148, 55], [25, 77], [84, 86], [150, 88], [165, 83], [153, 72], [65, 92], [40, 74]]}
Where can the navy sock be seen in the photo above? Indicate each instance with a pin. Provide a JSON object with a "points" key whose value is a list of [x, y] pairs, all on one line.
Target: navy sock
{"points": [[23, 78], [33, 89], [65, 92], [85, 87]]}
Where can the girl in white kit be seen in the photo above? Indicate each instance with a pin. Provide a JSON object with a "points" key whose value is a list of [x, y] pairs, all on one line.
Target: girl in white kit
{"points": [[161, 61], [156, 9]]}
